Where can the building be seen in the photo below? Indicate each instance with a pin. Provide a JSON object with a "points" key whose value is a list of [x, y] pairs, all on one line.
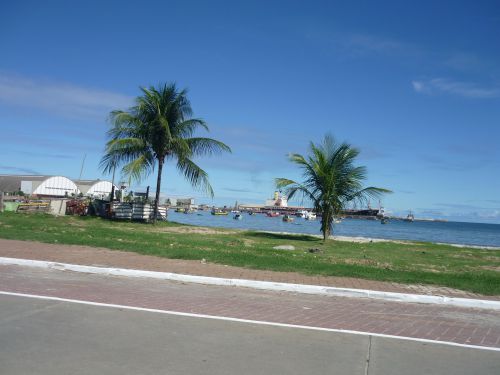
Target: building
{"points": [[53, 186], [177, 201], [278, 200], [95, 188]]}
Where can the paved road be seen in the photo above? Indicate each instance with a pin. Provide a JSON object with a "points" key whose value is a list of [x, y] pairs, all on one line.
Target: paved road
{"points": [[433, 322], [50, 338]]}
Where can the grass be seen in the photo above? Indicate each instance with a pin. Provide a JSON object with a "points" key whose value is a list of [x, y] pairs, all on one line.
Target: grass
{"points": [[468, 269]]}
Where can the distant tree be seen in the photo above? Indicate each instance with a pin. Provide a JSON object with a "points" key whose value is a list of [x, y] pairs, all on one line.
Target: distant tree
{"points": [[159, 128], [331, 180]]}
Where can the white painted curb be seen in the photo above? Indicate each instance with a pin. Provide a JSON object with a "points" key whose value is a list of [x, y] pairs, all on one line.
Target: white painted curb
{"points": [[265, 285]]}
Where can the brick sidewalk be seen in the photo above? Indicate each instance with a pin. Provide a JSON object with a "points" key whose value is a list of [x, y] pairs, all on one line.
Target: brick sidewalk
{"points": [[443, 323], [113, 258]]}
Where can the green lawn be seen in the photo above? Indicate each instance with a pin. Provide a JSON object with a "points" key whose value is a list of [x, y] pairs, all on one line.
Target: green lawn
{"points": [[468, 269]]}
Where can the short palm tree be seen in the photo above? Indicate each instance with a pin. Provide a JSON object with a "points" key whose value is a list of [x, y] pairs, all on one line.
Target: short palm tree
{"points": [[157, 129], [331, 180]]}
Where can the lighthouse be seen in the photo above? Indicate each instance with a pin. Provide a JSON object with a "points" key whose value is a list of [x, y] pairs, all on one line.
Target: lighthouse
{"points": [[278, 200]]}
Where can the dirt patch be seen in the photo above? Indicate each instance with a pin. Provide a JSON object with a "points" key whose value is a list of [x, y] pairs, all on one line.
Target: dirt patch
{"points": [[430, 268], [192, 230], [248, 243], [490, 268], [366, 262]]}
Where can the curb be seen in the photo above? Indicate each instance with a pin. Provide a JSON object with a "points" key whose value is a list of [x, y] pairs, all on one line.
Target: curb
{"points": [[263, 285]]}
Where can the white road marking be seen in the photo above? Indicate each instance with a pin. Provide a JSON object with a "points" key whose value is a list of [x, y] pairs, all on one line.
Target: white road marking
{"points": [[203, 316]]}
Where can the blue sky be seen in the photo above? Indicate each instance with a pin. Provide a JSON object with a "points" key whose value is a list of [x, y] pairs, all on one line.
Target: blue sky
{"points": [[415, 86]]}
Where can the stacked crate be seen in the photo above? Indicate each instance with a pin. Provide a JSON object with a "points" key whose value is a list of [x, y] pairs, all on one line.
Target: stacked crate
{"points": [[122, 210]]}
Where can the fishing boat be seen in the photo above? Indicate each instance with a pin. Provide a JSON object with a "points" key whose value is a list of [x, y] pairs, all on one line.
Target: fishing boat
{"points": [[288, 218], [310, 216], [410, 218], [301, 213], [273, 214], [218, 212], [238, 217]]}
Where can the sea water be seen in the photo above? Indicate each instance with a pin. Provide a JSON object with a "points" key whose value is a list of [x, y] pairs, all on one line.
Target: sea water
{"points": [[447, 232]]}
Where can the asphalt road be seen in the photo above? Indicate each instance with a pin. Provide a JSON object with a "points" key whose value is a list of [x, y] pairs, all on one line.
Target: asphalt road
{"points": [[51, 337]]}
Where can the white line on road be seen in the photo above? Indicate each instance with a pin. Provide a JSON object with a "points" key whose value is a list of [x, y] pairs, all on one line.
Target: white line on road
{"points": [[246, 320]]}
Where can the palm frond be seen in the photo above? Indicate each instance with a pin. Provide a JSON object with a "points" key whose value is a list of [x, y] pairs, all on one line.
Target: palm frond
{"points": [[187, 128], [196, 176], [138, 168], [206, 146]]}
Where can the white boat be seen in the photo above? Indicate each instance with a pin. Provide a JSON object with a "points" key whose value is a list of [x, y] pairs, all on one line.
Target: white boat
{"points": [[301, 213], [310, 216], [410, 218]]}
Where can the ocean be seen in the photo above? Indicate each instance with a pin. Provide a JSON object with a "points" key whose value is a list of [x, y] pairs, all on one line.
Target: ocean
{"points": [[476, 234]]}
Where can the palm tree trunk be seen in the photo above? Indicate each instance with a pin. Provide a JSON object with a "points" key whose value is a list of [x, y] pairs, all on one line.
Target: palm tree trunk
{"points": [[326, 222], [158, 184]]}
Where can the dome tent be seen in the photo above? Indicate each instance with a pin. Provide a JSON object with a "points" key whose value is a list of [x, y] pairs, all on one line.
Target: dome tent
{"points": [[95, 188], [56, 186]]}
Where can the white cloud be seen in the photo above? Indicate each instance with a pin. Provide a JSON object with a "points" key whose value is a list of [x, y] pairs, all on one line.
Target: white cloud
{"points": [[59, 98], [362, 45], [418, 86], [447, 86]]}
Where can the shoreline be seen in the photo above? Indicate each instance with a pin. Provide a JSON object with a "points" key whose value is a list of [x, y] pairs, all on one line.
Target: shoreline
{"points": [[360, 239], [469, 239]]}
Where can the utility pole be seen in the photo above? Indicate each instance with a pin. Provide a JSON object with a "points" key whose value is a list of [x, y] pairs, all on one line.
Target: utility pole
{"points": [[112, 198], [81, 169]]}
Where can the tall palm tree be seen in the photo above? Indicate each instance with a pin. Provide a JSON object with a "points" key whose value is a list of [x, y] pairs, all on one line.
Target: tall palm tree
{"points": [[331, 180], [157, 129]]}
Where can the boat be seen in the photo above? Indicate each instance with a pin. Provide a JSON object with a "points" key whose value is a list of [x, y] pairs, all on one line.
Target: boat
{"points": [[288, 218], [310, 216], [410, 218], [337, 221], [181, 210], [273, 214], [384, 220], [301, 213], [238, 217], [250, 213], [219, 212], [235, 211]]}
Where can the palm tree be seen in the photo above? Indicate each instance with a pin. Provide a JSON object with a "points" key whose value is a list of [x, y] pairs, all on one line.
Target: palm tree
{"points": [[157, 129], [331, 180]]}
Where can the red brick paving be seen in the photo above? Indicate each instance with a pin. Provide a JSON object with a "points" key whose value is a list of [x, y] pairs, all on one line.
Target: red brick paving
{"points": [[113, 258], [444, 323]]}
